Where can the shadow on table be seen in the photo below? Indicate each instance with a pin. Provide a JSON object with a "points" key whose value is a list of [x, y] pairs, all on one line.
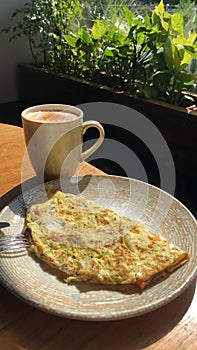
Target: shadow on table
{"points": [[33, 329]]}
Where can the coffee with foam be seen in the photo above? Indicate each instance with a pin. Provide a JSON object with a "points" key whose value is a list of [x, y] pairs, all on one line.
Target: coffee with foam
{"points": [[51, 116], [54, 139]]}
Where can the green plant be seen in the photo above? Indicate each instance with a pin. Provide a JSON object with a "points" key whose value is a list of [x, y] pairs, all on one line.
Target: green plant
{"points": [[102, 9], [127, 49], [43, 22], [187, 9], [142, 56], [170, 74], [147, 56]]}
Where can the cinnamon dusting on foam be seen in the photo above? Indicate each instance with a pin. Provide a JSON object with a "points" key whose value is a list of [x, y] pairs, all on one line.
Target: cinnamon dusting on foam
{"points": [[51, 117]]}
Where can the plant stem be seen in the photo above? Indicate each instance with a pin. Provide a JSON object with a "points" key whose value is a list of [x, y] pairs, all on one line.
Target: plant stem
{"points": [[31, 50]]}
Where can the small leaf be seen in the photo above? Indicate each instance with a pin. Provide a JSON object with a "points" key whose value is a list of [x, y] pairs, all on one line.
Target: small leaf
{"points": [[183, 66], [189, 48], [109, 52], [167, 16], [141, 38], [150, 92], [54, 36], [70, 40], [190, 53], [165, 25], [147, 21], [161, 80], [192, 38], [160, 8], [155, 18]]}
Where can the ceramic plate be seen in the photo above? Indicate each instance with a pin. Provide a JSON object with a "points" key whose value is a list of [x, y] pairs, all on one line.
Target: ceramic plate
{"points": [[37, 284]]}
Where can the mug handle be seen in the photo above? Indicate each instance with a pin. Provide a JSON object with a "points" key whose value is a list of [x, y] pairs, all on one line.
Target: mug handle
{"points": [[92, 149]]}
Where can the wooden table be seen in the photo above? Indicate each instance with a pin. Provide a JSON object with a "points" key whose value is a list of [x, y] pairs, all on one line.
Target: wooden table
{"points": [[173, 326]]}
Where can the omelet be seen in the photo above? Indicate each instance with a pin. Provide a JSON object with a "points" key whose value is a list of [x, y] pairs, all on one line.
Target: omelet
{"points": [[88, 242]]}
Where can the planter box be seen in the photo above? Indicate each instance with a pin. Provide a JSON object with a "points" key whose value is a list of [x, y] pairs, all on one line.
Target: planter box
{"points": [[177, 127]]}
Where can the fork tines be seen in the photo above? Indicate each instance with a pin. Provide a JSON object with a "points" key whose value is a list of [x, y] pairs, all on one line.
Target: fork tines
{"points": [[13, 242]]}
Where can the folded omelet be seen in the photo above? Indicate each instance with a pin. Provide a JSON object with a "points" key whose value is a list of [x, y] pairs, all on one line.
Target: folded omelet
{"points": [[88, 242]]}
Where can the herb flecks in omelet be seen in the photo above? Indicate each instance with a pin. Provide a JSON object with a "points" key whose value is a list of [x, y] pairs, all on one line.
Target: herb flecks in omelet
{"points": [[91, 243]]}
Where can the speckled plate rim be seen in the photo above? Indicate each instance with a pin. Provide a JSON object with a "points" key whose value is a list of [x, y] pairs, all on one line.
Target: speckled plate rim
{"points": [[82, 315]]}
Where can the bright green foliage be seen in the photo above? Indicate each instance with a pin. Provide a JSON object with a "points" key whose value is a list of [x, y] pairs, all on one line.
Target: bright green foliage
{"points": [[187, 9], [146, 56], [44, 22], [173, 58]]}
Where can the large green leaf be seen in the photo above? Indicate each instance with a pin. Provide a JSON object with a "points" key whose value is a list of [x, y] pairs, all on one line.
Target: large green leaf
{"points": [[187, 45], [168, 53], [177, 57], [177, 23], [129, 15], [186, 41], [99, 29], [185, 77], [189, 50], [83, 34]]}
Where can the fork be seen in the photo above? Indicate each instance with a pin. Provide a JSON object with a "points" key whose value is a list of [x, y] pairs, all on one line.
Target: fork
{"points": [[13, 242]]}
